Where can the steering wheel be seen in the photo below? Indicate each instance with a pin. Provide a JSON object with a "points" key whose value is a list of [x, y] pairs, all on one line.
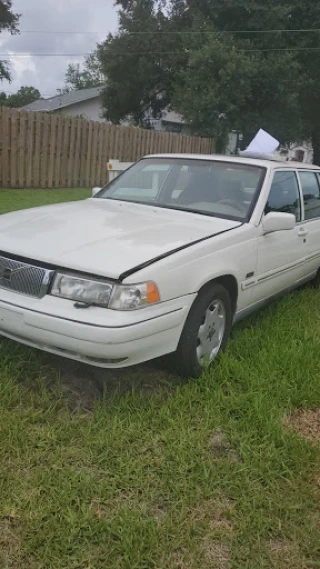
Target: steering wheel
{"points": [[233, 204]]}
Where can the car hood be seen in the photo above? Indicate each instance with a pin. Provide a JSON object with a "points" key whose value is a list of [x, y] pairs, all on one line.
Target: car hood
{"points": [[102, 237]]}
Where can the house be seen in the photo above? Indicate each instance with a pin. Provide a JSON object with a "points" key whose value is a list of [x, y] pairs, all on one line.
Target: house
{"points": [[170, 121], [302, 152], [84, 103], [297, 152]]}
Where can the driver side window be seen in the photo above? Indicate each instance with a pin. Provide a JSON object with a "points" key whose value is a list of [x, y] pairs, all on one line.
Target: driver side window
{"points": [[284, 194]]}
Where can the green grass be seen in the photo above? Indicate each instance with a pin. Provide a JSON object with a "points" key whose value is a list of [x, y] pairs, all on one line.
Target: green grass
{"points": [[11, 200], [134, 483]]}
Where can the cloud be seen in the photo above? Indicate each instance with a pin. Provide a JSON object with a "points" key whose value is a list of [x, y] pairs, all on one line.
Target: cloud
{"points": [[49, 16]]}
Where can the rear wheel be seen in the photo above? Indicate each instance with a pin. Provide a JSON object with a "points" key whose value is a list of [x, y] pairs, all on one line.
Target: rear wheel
{"points": [[206, 331]]}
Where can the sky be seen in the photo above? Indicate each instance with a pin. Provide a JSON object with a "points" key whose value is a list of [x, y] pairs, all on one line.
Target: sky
{"points": [[51, 17]]}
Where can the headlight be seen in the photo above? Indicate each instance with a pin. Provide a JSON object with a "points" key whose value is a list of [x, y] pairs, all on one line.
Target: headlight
{"points": [[81, 289], [101, 293], [131, 297]]}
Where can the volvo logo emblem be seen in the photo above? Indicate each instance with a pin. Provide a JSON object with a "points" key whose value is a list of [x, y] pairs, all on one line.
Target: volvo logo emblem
{"points": [[6, 273]]}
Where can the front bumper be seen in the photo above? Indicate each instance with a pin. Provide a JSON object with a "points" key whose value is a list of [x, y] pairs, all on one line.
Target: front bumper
{"points": [[95, 336]]}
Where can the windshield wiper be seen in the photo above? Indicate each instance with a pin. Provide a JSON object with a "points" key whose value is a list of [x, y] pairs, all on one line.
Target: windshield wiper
{"points": [[131, 201], [200, 212], [178, 208], [188, 210]]}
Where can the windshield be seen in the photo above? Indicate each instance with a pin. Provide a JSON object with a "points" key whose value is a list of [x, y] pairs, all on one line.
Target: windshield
{"points": [[214, 188]]}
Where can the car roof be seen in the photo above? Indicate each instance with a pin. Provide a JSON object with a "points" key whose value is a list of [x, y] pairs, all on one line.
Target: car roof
{"points": [[265, 163]]}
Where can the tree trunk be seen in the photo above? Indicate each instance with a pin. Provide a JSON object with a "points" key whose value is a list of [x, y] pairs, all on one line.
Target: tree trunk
{"points": [[316, 145]]}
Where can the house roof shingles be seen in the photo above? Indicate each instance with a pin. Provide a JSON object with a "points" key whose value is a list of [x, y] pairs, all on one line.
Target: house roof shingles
{"points": [[65, 100]]}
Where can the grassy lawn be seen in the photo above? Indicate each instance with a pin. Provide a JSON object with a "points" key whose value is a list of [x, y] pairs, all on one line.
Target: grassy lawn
{"points": [[11, 200], [137, 476]]}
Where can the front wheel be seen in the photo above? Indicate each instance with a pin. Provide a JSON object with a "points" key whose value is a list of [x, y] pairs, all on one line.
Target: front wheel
{"points": [[206, 331], [315, 283]]}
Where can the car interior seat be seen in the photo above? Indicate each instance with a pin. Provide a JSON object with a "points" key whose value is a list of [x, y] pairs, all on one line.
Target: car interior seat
{"points": [[200, 188]]}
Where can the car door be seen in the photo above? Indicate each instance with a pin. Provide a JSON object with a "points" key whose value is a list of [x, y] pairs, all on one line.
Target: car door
{"points": [[310, 186], [281, 254]]}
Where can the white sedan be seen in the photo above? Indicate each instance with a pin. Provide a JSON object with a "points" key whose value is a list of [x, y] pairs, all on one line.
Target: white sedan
{"points": [[163, 260]]}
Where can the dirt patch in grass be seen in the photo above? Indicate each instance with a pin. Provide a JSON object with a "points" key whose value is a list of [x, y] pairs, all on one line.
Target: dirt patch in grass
{"points": [[10, 553], [80, 392], [159, 511], [215, 512], [217, 554], [212, 520], [181, 560], [82, 386], [147, 379], [278, 546], [286, 554], [306, 422], [221, 448]]}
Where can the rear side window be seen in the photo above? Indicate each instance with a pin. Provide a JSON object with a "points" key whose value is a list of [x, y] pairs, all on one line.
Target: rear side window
{"points": [[311, 194], [284, 194]]}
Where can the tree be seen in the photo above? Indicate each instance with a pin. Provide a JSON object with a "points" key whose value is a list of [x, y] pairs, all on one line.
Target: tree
{"points": [[8, 21], [284, 93], [307, 16], [90, 76], [3, 98], [139, 66], [225, 87], [200, 59], [24, 96]]}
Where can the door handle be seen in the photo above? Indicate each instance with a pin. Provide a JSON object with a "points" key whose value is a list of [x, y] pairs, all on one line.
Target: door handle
{"points": [[302, 232]]}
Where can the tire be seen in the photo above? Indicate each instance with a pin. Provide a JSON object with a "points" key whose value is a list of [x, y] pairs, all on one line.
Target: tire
{"points": [[187, 359], [315, 283]]}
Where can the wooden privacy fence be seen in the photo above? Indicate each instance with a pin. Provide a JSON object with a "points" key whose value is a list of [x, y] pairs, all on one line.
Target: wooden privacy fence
{"points": [[40, 150]]}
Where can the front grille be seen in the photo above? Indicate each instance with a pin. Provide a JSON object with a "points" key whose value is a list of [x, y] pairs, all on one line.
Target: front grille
{"points": [[24, 278]]}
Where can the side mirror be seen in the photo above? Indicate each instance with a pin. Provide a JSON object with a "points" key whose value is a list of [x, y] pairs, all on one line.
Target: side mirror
{"points": [[277, 221], [95, 191]]}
